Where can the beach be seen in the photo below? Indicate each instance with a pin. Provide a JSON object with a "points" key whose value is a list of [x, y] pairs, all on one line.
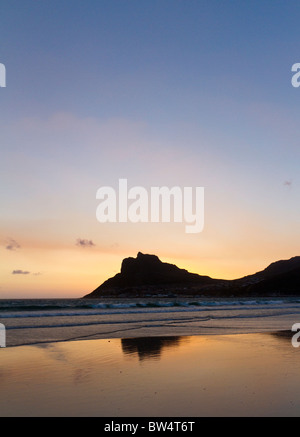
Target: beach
{"points": [[187, 376], [139, 358]]}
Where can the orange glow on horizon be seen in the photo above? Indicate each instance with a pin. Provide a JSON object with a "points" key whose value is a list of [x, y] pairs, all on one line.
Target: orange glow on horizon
{"points": [[73, 273]]}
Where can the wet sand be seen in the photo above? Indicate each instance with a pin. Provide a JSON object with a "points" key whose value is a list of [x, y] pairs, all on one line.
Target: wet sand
{"points": [[183, 376]]}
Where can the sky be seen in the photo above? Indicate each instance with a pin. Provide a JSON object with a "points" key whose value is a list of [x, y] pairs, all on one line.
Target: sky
{"points": [[193, 93]]}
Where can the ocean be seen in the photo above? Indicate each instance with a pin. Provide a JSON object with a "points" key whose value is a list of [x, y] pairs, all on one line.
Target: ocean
{"points": [[36, 321]]}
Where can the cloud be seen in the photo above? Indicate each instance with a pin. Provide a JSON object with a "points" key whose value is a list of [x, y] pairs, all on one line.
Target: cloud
{"points": [[84, 243], [20, 272], [12, 244]]}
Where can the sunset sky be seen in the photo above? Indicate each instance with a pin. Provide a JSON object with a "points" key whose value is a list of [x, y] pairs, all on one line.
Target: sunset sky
{"points": [[162, 93]]}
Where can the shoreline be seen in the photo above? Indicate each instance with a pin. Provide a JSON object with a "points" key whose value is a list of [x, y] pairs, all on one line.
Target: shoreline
{"points": [[283, 333]]}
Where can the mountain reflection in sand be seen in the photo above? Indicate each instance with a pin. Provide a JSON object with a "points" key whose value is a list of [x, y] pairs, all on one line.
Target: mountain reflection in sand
{"points": [[149, 347]]}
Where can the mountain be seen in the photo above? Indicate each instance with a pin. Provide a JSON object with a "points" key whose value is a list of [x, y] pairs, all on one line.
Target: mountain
{"points": [[279, 278], [147, 275]]}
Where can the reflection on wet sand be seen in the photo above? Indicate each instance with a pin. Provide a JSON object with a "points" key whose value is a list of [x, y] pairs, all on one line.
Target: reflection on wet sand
{"points": [[283, 335], [225, 375], [148, 347]]}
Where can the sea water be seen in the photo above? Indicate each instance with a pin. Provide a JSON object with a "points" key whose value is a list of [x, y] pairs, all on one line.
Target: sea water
{"points": [[34, 321]]}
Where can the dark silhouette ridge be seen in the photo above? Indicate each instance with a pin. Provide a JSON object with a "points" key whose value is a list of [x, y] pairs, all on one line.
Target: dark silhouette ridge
{"points": [[147, 275]]}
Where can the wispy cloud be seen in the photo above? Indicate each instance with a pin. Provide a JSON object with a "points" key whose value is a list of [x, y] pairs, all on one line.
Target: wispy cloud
{"points": [[20, 272], [84, 243], [12, 244]]}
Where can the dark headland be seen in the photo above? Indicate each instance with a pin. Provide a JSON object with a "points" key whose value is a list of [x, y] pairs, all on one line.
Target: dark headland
{"points": [[147, 275]]}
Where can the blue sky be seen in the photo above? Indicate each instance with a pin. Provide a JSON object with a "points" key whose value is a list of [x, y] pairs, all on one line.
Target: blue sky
{"points": [[108, 58], [189, 93]]}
